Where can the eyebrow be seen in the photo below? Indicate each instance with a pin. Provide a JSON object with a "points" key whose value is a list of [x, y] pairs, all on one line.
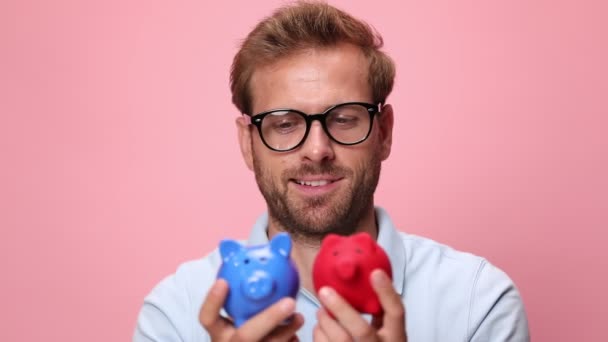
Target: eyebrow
{"points": [[326, 107]]}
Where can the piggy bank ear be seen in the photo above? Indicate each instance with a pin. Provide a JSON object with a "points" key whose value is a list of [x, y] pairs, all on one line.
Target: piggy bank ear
{"points": [[228, 248], [331, 240], [281, 244], [364, 241]]}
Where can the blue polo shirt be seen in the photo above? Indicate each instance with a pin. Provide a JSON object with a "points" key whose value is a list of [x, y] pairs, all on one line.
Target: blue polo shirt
{"points": [[448, 295]]}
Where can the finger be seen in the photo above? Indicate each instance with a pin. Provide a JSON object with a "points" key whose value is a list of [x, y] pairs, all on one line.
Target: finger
{"points": [[378, 321], [329, 328], [287, 332], [209, 316], [318, 335], [266, 321], [394, 312], [349, 318]]}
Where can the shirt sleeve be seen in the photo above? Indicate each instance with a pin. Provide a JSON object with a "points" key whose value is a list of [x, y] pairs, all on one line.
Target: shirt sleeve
{"points": [[496, 308], [153, 325], [168, 315], [159, 316]]}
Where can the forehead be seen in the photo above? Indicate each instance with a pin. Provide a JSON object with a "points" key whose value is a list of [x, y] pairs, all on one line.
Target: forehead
{"points": [[312, 79]]}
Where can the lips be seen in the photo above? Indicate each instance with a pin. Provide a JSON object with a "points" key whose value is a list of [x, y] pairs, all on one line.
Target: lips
{"points": [[313, 183], [316, 181]]}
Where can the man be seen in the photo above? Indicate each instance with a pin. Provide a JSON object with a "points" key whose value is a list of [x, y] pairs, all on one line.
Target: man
{"points": [[318, 174]]}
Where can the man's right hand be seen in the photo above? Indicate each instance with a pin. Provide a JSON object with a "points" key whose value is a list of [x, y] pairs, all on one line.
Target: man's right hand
{"points": [[267, 325]]}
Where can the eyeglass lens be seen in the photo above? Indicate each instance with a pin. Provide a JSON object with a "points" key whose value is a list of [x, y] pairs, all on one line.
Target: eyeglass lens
{"points": [[346, 124]]}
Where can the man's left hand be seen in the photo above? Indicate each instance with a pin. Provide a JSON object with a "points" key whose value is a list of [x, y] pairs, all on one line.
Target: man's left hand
{"points": [[348, 325]]}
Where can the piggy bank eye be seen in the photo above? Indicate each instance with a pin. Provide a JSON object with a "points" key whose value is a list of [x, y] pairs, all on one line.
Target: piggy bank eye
{"points": [[246, 261], [263, 260], [358, 251], [335, 253]]}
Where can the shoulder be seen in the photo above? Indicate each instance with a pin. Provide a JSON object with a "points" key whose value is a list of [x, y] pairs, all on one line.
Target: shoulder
{"points": [[463, 287], [426, 257], [171, 308], [190, 280]]}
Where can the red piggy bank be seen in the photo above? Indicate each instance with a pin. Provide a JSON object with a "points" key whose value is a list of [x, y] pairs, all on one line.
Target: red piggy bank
{"points": [[345, 264]]}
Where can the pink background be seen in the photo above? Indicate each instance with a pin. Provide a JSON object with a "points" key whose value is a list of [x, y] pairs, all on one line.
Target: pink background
{"points": [[120, 160]]}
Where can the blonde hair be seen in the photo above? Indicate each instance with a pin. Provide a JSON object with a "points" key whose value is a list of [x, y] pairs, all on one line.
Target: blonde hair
{"points": [[306, 25]]}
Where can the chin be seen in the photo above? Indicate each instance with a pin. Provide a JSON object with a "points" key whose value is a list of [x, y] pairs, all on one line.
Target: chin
{"points": [[322, 221]]}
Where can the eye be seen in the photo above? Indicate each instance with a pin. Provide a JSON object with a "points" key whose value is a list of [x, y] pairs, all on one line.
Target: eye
{"points": [[246, 261], [344, 120], [284, 122], [358, 251], [284, 125], [346, 117]]}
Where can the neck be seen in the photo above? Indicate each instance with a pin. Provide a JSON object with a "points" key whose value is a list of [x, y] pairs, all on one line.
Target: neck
{"points": [[305, 249]]}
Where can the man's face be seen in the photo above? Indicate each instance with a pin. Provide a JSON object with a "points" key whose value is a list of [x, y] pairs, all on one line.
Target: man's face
{"points": [[321, 186]]}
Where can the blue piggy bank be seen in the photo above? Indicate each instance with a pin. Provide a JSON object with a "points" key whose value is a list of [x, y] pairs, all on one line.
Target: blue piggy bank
{"points": [[258, 276]]}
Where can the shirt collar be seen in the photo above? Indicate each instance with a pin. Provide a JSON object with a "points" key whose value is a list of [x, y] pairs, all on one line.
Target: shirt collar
{"points": [[388, 239]]}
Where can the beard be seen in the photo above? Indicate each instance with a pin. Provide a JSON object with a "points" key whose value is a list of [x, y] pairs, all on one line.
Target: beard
{"points": [[311, 219]]}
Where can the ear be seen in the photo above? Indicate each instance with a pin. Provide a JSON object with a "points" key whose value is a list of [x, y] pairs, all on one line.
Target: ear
{"points": [[281, 244], [385, 123], [244, 133], [228, 248]]}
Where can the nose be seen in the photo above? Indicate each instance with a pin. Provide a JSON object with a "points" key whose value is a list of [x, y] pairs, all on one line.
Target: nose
{"points": [[318, 146], [258, 286], [346, 269]]}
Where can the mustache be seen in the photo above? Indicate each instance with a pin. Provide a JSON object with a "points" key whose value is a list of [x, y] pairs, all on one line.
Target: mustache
{"points": [[316, 169]]}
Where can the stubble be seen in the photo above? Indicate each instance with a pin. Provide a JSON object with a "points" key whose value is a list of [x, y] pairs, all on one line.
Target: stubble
{"points": [[309, 220]]}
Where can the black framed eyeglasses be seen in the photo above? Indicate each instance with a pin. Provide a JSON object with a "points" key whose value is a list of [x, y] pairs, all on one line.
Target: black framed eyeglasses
{"points": [[286, 129]]}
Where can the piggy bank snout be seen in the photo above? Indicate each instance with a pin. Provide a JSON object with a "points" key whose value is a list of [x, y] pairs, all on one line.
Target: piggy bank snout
{"points": [[346, 269], [258, 286]]}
